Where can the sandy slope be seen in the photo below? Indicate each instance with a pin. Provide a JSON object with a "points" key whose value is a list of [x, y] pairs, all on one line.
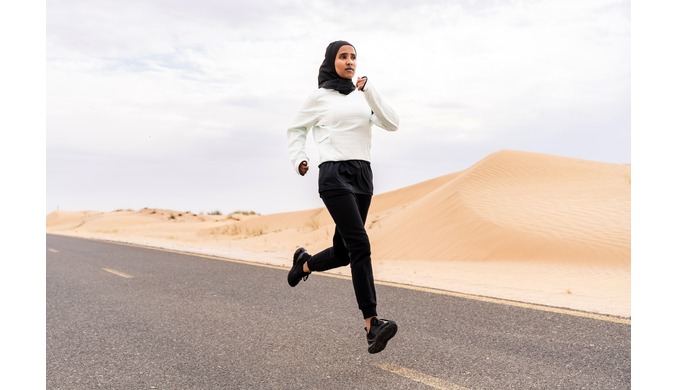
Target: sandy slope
{"points": [[525, 226]]}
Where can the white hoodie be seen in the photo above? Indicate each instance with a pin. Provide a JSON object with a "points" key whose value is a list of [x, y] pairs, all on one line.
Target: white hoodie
{"points": [[341, 124]]}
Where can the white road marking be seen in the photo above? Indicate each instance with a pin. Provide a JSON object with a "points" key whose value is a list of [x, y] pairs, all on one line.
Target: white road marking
{"points": [[420, 377], [118, 273]]}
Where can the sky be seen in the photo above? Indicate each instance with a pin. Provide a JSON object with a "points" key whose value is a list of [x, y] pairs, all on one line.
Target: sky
{"points": [[185, 105]]}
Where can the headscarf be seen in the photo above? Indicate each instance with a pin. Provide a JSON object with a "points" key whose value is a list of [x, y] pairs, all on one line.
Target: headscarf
{"points": [[328, 77]]}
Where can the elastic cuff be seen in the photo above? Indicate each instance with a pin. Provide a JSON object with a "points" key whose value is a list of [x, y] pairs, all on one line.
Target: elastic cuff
{"points": [[369, 312], [307, 260], [298, 162]]}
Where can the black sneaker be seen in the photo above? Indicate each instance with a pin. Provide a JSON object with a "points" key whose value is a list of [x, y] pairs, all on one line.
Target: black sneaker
{"points": [[381, 331], [297, 272]]}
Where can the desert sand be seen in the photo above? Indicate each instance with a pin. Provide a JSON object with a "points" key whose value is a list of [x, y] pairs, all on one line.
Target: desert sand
{"points": [[521, 226]]}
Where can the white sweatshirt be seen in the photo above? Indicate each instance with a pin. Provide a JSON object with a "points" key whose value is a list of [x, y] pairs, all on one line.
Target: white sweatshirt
{"points": [[341, 124]]}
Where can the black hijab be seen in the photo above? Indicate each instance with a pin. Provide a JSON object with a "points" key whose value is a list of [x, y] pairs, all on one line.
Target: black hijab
{"points": [[328, 77]]}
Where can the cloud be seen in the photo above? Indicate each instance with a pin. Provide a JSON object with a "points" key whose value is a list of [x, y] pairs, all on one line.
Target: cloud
{"points": [[201, 86]]}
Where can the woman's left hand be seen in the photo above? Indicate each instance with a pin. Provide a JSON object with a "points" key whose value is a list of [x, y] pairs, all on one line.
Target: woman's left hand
{"points": [[360, 83]]}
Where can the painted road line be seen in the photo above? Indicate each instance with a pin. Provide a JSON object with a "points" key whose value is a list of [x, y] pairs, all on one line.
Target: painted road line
{"points": [[53, 250], [118, 273], [420, 377]]}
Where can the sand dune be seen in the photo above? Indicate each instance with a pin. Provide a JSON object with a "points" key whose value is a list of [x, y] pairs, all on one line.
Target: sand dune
{"points": [[518, 225], [518, 206]]}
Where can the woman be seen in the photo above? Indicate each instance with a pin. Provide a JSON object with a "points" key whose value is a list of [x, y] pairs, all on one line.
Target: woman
{"points": [[341, 116]]}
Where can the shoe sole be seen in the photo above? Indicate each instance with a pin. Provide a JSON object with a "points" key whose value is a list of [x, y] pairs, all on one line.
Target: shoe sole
{"points": [[297, 253], [295, 259], [292, 283], [382, 338]]}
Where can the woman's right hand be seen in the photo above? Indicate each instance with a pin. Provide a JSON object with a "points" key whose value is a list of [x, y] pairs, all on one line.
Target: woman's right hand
{"points": [[303, 168], [361, 82]]}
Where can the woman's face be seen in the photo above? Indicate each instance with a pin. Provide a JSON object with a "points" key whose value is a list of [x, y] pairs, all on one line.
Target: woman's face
{"points": [[345, 62]]}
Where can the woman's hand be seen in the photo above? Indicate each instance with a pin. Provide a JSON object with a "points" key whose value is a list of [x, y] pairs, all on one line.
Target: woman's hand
{"points": [[303, 168], [360, 83]]}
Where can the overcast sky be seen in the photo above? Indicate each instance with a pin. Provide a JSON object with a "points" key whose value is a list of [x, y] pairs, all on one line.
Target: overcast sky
{"points": [[185, 104]]}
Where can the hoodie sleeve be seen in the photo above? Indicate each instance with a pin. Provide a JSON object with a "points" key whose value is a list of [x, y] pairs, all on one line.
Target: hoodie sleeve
{"points": [[306, 118], [384, 116]]}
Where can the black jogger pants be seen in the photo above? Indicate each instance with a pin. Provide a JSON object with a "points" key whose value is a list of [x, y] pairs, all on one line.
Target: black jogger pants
{"points": [[350, 245]]}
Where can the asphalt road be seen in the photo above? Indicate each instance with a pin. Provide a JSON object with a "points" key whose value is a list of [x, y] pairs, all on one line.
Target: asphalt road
{"points": [[125, 317]]}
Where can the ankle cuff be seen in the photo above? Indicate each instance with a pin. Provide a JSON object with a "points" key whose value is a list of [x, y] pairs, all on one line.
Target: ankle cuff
{"points": [[369, 312]]}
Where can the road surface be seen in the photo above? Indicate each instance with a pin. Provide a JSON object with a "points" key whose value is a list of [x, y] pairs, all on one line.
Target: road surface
{"points": [[127, 317]]}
